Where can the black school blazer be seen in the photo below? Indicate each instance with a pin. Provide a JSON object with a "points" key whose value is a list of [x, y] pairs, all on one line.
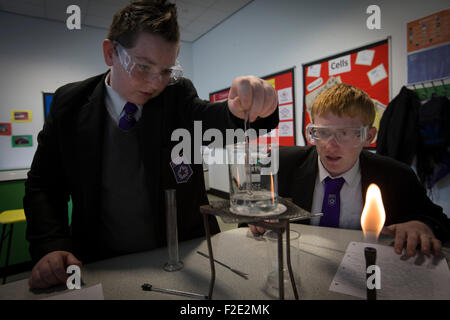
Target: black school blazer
{"points": [[404, 198], [68, 163]]}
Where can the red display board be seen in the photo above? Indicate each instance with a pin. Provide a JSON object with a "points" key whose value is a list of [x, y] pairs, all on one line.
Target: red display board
{"points": [[5, 129], [366, 67], [283, 82]]}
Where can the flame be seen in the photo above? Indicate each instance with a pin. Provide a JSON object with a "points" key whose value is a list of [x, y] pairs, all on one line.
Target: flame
{"points": [[373, 215], [237, 177], [272, 190]]}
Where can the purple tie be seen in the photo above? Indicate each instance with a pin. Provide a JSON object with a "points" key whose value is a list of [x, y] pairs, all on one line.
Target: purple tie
{"points": [[331, 202], [127, 121]]}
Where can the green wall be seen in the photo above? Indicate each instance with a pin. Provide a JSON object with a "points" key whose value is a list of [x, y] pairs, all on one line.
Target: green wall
{"points": [[11, 196]]}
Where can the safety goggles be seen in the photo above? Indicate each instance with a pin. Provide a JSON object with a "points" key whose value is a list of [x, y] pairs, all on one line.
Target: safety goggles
{"points": [[145, 71], [344, 136]]}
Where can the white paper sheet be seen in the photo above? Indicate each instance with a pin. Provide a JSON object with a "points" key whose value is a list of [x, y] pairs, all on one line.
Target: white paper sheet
{"points": [[377, 74], [339, 65], [91, 293], [286, 112], [419, 277], [314, 71], [285, 95], [286, 129], [365, 57]]}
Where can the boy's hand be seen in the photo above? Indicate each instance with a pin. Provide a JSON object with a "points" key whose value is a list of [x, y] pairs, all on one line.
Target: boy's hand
{"points": [[413, 233], [51, 269], [252, 95]]}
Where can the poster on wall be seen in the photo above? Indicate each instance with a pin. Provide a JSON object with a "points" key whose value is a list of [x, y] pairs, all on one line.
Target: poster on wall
{"points": [[22, 141], [21, 116], [367, 68], [5, 129], [283, 82], [428, 47]]}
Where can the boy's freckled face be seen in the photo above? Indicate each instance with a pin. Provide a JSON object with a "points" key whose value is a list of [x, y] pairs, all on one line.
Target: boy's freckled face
{"points": [[335, 158]]}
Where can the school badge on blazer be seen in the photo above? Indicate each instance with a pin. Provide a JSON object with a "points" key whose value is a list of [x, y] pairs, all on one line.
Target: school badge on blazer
{"points": [[181, 170]]}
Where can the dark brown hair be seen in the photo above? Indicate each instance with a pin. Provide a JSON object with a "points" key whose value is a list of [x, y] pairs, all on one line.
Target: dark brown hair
{"points": [[152, 16]]}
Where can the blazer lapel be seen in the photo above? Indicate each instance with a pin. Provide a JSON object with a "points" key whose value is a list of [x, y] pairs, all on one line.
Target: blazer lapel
{"points": [[89, 146], [366, 175]]}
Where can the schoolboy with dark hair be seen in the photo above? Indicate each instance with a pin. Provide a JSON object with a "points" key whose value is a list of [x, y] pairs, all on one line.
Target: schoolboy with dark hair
{"points": [[107, 145]]}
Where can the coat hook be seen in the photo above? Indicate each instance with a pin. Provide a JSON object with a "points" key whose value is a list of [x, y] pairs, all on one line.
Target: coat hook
{"points": [[425, 91], [417, 92], [434, 93]]}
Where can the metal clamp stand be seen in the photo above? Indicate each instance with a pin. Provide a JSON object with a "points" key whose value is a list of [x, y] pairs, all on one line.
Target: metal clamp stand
{"points": [[221, 209]]}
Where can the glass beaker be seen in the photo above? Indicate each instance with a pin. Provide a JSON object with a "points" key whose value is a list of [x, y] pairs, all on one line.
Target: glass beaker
{"points": [[272, 284], [253, 183]]}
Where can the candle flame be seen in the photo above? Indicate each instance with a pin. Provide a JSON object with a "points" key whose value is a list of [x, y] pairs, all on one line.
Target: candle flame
{"points": [[373, 215], [272, 189], [237, 177]]}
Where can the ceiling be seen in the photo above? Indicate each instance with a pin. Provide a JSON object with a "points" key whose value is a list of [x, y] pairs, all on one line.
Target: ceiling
{"points": [[196, 17]]}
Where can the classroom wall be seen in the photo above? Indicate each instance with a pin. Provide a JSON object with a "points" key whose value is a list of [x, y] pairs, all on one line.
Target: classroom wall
{"points": [[40, 55], [269, 36]]}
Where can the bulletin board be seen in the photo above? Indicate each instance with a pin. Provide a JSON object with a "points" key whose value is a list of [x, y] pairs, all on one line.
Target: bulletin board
{"points": [[428, 48], [367, 68], [283, 82]]}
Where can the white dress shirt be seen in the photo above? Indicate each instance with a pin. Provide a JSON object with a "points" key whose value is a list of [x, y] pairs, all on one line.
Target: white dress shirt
{"points": [[115, 103], [350, 195]]}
